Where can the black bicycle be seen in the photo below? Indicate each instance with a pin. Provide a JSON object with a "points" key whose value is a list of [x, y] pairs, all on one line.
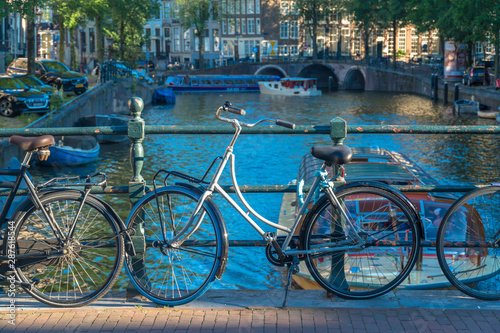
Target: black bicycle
{"points": [[63, 245]]}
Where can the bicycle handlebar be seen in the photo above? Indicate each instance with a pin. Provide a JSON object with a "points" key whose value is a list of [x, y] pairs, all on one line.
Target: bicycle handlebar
{"points": [[230, 108]]}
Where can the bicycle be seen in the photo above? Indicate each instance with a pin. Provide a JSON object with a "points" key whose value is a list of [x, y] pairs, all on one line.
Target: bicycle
{"points": [[64, 246], [468, 243], [353, 249]]}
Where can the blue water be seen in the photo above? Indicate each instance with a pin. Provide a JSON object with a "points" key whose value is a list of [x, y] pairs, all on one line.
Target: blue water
{"points": [[272, 159]]}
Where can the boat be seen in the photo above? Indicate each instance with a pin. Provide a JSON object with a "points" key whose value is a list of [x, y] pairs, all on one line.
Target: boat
{"points": [[290, 87], [393, 168], [490, 114], [105, 120], [465, 106], [204, 83], [73, 151], [163, 96]]}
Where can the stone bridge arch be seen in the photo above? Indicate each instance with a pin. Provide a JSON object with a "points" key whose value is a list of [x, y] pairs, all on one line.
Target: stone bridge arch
{"points": [[355, 79], [271, 70], [322, 72]]}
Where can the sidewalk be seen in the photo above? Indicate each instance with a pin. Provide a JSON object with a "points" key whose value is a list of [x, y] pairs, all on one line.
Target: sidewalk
{"points": [[259, 311]]}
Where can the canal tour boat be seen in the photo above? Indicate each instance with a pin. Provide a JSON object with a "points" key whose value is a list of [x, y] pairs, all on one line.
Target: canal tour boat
{"points": [[377, 164], [290, 87], [207, 83]]}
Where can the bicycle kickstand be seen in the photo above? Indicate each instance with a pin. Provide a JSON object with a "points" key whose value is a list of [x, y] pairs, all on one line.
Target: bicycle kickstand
{"points": [[292, 269]]}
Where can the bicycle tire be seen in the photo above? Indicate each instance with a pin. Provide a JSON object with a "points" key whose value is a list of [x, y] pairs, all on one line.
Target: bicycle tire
{"points": [[474, 270], [174, 275], [362, 272], [93, 256]]}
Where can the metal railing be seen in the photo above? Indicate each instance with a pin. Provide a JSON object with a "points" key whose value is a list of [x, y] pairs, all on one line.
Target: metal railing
{"points": [[337, 130]]}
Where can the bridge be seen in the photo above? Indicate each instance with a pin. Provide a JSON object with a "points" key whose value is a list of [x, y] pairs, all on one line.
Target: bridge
{"points": [[336, 74]]}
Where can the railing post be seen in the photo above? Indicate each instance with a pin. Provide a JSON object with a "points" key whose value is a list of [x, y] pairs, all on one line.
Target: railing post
{"points": [[445, 93], [338, 130], [136, 185]]}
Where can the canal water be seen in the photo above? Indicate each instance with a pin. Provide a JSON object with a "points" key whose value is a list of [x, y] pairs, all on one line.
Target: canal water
{"points": [[273, 159]]}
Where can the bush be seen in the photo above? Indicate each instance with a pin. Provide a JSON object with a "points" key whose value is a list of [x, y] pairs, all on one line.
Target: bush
{"points": [[400, 54]]}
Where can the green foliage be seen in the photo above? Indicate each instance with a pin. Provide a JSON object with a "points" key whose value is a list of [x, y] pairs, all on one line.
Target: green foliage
{"points": [[8, 60], [400, 54], [56, 99]]}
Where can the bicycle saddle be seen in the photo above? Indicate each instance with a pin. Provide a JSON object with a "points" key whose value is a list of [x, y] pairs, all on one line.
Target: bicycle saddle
{"points": [[333, 155], [28, 144]]}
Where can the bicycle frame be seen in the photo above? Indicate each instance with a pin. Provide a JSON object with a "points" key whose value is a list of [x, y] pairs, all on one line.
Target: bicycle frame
{"points": [[321, 180]]}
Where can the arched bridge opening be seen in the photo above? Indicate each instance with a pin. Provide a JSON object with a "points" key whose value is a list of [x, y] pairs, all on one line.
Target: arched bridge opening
{"points": [[323, 74], [271, 70], [354, 80]]}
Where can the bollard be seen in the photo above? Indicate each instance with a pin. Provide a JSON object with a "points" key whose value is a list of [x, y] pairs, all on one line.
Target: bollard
{"points": [[330, 82], [435, 87], [445, 92], [137, 185], [432, 86], [457, 92]]}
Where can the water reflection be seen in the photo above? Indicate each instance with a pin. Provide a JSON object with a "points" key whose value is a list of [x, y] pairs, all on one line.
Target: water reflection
{"points": [[271, 159]]}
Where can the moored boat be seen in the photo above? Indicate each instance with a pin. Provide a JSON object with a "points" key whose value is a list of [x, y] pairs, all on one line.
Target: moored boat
{"points": [[375, 164], [73, 151], [466, 106], [290, 87], [163, 96], [204, 83], [105, 120], [491, 114]]}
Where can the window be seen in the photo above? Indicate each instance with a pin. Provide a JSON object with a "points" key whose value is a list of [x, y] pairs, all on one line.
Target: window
{"points": [[166, 10], [83, 41], [284, 29], [257, 23], [147, 32], [157, 32], [257, 6], [187, 41], [250, 6], [294, 50], [346, 41], [238, 7], [177, 39], [156, 13], [91, 40], [251, 26], [215, 36], [243, 26], [238, 26], [402, 40], [243, 6], [46, 15], [206, 40], [294, 29], [293, 8], [357, 42], [390, 42], [231, 27], [166, 32], [284, 8], [283, 50], [414, 41], [224, 27]]}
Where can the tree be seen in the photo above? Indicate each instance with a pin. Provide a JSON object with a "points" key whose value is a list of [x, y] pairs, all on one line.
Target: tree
{"points": [[26, 8], [196, 14], [367, 15], [97, 10], [312, 12]]}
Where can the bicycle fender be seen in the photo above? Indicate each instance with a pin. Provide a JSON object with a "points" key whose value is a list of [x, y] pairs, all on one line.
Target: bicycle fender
{"points": [[394, 191], [220, 220]]}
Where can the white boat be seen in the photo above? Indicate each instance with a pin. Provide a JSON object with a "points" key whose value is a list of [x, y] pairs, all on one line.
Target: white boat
{"points": [[465, 106], [292, 86], [492, 114]]}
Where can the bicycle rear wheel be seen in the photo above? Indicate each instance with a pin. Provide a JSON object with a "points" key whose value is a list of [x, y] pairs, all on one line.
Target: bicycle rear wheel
{"points": [[468, 243], [174, 275], [382, 220], [68, 270]]}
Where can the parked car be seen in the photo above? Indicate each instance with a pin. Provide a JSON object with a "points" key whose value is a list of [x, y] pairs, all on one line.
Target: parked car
{"points": [[16, 97], [33, 82], [497, 84], [53, 73], [474, 75], [142, 77], [145, 63]]}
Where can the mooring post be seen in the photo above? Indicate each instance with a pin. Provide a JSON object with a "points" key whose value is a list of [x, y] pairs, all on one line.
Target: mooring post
{"points": [[338, 130], [432, 86], [445, 92], [330, 82], [457, 92], [436, 84], [136, 186]]}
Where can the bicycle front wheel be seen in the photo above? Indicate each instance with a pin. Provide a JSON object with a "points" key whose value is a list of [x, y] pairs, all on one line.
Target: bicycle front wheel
{"points": [[174, 275], [468, 243], [340, 262], [68, 269]]}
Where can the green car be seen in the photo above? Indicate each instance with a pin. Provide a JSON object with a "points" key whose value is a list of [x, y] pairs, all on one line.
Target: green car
{"points": [[34, 82]]}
